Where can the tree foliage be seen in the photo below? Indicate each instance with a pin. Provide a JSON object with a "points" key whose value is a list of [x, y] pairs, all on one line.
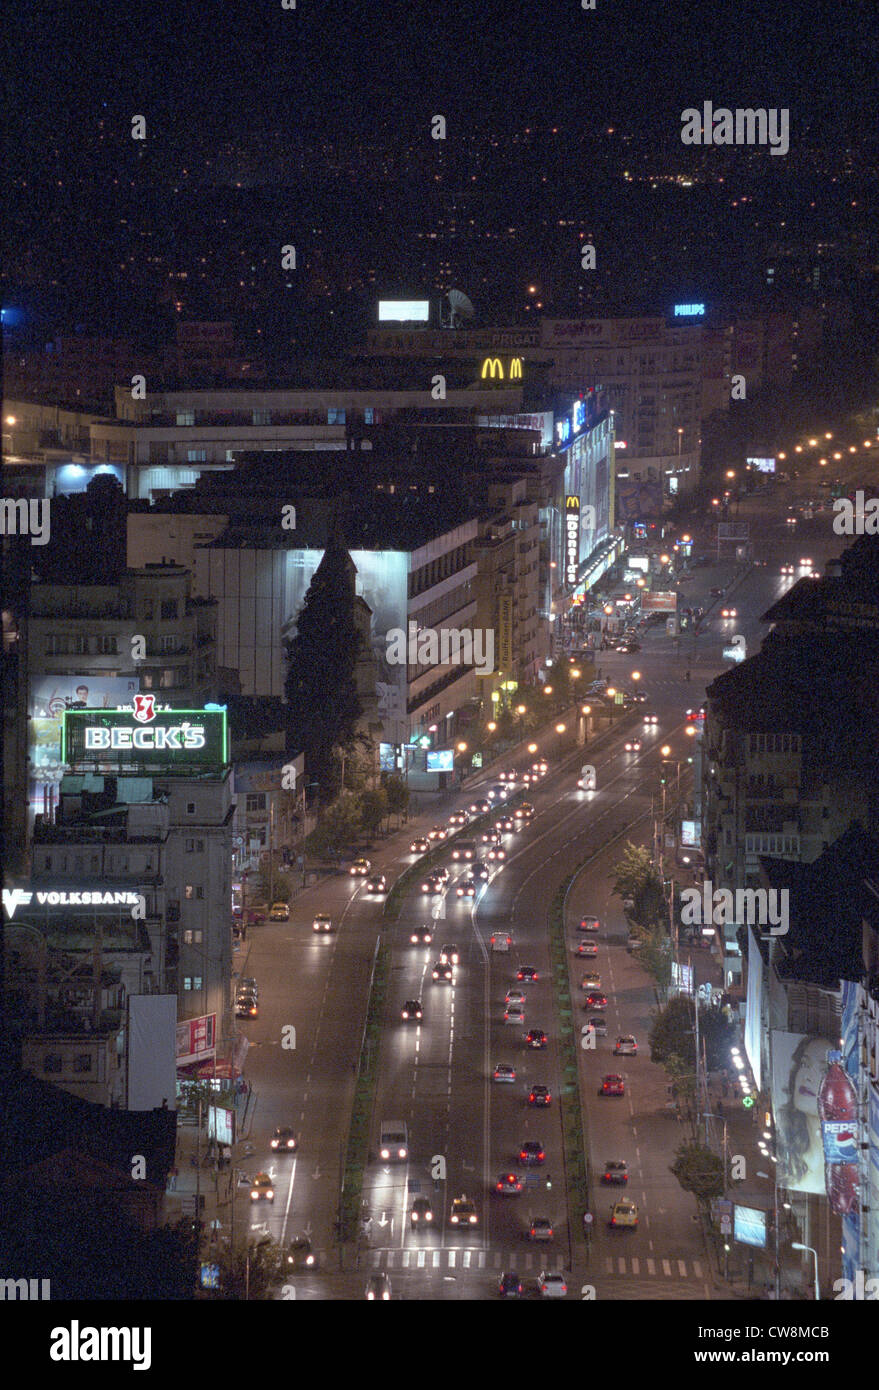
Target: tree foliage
{"points": [[338, 827], [699, 1171], [252, 1270], [322, 702]]}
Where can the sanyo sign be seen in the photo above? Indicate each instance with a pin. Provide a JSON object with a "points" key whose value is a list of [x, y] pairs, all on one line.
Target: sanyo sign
{"points": [[569, 425]]}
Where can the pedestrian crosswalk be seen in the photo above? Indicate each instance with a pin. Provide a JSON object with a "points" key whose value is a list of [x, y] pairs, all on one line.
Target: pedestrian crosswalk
{"points": [[533, 1260], [640, 1266], [445, 1258]]}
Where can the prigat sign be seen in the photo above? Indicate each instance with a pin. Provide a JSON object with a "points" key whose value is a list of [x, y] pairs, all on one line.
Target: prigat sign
{"points": [[572, 539]]}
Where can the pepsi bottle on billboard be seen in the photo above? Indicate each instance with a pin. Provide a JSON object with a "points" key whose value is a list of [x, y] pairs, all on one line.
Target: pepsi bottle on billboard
{"points": [[838, 1113]]}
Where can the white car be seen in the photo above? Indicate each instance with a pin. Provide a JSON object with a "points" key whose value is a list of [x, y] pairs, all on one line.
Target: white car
{"points": [[551, 1285], [626, 1046], [503, 1072], [515, 996], [514, 1013]]}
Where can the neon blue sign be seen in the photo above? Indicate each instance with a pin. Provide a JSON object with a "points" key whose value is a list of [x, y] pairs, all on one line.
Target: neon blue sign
{"points": [[689, 311]]}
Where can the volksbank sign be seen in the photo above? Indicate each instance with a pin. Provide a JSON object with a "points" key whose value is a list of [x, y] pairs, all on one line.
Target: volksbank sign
{"points": [[146, 739]]}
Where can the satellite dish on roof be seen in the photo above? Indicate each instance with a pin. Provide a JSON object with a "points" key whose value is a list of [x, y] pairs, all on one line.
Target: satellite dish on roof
{"points": [[461, 308]]}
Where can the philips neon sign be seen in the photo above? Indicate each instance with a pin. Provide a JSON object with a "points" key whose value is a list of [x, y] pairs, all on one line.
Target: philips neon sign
{"points": [[689, 311]]}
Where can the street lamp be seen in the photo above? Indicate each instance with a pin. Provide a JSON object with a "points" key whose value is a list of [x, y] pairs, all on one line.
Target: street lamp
{"points": [[462, 748], [491, 726], [532, 748], [797, 1246], [560, 728]]}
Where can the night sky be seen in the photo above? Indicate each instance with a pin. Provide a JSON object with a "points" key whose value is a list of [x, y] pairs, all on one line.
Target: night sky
{"points": [[230, 66]]}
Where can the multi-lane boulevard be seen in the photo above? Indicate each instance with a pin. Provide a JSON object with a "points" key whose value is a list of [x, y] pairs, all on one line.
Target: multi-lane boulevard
{"points": [[465, 1128]]}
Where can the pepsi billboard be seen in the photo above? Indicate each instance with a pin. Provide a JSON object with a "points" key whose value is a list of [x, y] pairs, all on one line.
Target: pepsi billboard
{"points": [[145, 739]]}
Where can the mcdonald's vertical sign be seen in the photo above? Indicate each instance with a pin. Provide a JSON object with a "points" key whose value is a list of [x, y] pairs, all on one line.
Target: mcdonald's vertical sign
{"points": [[572, 540], [515, 369], [505, 633]]}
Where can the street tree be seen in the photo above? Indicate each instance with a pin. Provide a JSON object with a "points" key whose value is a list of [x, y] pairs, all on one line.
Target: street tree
{"points": [[397, 793], [373, 810], [337, 828], [699, 1171]]}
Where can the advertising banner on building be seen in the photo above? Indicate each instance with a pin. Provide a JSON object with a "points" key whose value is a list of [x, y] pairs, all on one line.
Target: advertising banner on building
{"points": [[636, 500], [382, 582], [50, 696], [505, 634], [196, 1039], [799, 1066]]}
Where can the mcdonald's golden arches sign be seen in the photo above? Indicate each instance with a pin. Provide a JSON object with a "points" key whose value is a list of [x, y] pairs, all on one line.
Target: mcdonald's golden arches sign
{"points": [[493, 369]]}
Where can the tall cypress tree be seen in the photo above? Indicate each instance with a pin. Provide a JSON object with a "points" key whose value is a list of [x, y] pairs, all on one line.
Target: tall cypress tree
{"points": [[322, 703]]}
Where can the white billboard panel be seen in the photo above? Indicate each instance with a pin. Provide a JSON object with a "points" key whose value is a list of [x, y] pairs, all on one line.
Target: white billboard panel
{"points": [[152, 1051], [403, 310]]}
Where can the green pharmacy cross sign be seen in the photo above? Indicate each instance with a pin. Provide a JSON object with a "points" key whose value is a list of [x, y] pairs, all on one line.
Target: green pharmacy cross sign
{"points": [[145, 740]]}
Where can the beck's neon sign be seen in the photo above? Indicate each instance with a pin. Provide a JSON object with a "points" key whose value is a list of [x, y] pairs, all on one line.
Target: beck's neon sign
{"points": [[156, 739]]}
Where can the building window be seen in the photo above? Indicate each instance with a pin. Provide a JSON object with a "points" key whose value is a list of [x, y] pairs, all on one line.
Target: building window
{"points": [[169, 609], [57, 644], [335, 416], [106, 646], [168, 679], [196, 455], [169, 642], [190, 808], [192, 937], [262, 417], [172, 913], [193, 890], [51, 1062], [148, 608], [185, 417], [82, 1063], [256, 801], [193, 847], [191, 982]]}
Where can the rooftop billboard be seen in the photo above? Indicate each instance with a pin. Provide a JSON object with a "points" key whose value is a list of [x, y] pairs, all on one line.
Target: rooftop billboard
{"points": [[145, 739]]}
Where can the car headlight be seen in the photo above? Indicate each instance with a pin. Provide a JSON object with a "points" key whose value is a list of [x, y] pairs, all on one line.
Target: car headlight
{"points": [[386, 1153], [309, 1259], [428, 1216]]}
